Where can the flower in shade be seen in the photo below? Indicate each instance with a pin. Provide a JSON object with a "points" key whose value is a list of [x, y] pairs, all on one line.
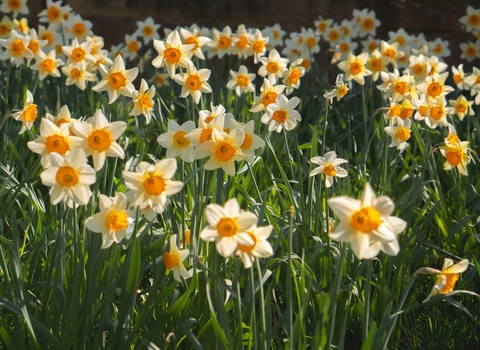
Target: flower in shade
{"points": [[112, 220], [14, 6], [47, 64], [69, 178], [152, 184], [99, 138], [260, 248], [54, 13], [241, 81], [471, 20], [116, 80], [329, 166], [228, 226], [399, 132], [176, 142], [174, 258], [282, 114], [446, 279], [194, 82], [355, 67], [172, 53], [367, 224], [53, 138], [462, 107], [143, 101]]}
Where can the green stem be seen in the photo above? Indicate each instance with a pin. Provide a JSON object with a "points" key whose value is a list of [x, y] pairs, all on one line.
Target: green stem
{"points": [[334, 292], [262, 305], [366, 314], [289, 276]]}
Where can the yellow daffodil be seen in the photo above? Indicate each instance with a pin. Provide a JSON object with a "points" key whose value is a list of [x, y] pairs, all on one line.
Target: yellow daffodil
{"points": [[456, 155], [399, 131]]}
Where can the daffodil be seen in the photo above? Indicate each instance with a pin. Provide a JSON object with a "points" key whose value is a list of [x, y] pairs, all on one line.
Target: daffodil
{"points": [[222, 41], [241, 81], [471, 20], [275, 36], [223, 149], [77, 27], [54, 13], [53, 138], [228, 227], [47, 65], [419, 67], [174, 258], [152, 184], [282, 114], [391, 51], [470, 50], [260, 248], [112, 220], [242, 41], [176, 142], [355, 67], [434, 86], [147, 30], [251, 141], [172, 53], [462, 107], [99, 138], [377, 63], [268, 95], [291, 77], [273, 66], [437, 113], [6, 24], [77, 74], [459, 77], [28, 114], [116, 80], [70, 178], [339, 91], [366, 21], [14, 6], [194, 82], [446, 278], [16, 48], [456, 155], [329, 167], [399, 132], [77, 52], [143, 101], [194, 37], [367, 224]]}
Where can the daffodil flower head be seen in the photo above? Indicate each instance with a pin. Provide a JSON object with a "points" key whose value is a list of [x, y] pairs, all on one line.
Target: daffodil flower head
{"points": [[456, 155], [228, 227], [194, 82], [143, 101], [355, 67], [16, 48], [174, 258], [339, 91], [260, 248], [28, 114], [47, 65], [399, 131], [176, 142], [329, 167], [112, 220], [367, 224], [241, 81], [282, 114], [172, 53]]}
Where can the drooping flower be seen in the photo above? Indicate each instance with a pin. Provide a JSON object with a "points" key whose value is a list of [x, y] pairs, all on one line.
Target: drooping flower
{"points": [[339, 91], [228, 226], [174, 258], [194, 82], [446, 279], [53, 138], [176, 142], [260, 248], [99, 138], [172, 53], [329, 166], [69, 178], [367, 224], [282, 114], [28, 114], [143, 101], [152, 184], [112, 220]]}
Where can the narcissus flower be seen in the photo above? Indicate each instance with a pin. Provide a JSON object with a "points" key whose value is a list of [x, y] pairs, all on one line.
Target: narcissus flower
{"points": [[447, 278], [339, 91], [224, 149], [172, 53], [251, 141], [241, 81], [77, 74], [462, 107], [366, 21], [268, 95], [147, 30], [99, 138], [291, 77], [273, 66], [54, 13], [174, 258], [329, 166], [434, 86], [16, 48], [47, 65], [261, 248], [14, 6], [471, 20], [355, 67], [222, 41], [228, 226], [456, 155], [77, 27], [53, 139], [194, 37], [367, 224], [116, 80], [28, 114], [399, 132], [194, 82], [470, 50], [143, 101], [176, 142], [78, 52], [112, 220], [152, 184], [69, 178], [282, 114]]}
